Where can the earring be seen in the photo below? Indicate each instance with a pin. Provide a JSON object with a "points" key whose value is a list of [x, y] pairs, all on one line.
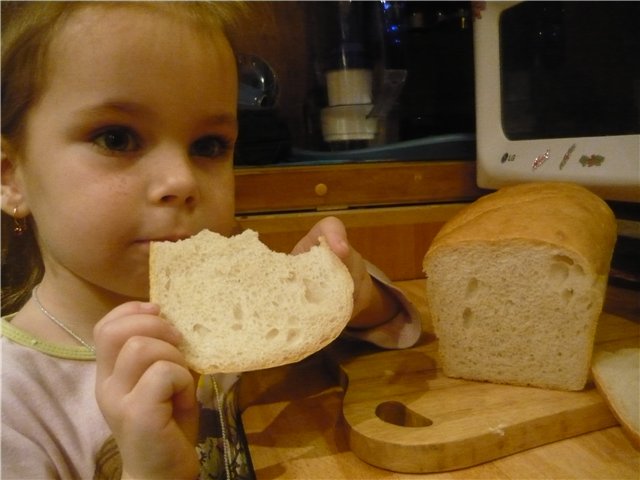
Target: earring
{"points": [[19, 224]]}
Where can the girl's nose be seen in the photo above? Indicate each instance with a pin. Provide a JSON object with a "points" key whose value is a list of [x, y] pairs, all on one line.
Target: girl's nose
{"points": [[174, 180]]}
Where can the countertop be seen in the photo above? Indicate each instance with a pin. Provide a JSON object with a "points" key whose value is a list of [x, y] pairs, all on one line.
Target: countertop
{"points": [[295, 429]]}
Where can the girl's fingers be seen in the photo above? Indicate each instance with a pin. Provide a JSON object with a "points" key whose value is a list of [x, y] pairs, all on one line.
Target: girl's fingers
{"points": [[137, 357], [334, 232], [163, 391], [124, 322]]}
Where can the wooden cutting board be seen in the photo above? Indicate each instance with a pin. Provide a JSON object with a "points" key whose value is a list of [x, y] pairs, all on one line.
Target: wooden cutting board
{"points": [[404, 415]]}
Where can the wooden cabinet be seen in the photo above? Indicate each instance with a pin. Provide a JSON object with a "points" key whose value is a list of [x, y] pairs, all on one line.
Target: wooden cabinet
{"points": [[392, 210]]}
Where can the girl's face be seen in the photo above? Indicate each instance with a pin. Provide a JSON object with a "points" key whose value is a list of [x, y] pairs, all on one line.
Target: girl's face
{"points": [[131, 141]]}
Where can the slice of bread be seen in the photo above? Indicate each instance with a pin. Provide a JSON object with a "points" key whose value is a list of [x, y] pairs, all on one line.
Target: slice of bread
{"points": [[516, 283], [241, 306], [617, 376]]}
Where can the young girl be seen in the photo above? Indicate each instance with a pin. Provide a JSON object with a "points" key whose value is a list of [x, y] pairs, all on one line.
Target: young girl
{"points": [[118, 126]]}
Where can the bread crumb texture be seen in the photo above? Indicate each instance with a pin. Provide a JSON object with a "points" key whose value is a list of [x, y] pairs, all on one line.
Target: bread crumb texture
{"points": [[617, 375], [241, 306], [516, 283]]}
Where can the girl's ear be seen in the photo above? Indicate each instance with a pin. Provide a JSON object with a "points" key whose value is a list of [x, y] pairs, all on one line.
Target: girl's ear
{"points": [[14, 201]]}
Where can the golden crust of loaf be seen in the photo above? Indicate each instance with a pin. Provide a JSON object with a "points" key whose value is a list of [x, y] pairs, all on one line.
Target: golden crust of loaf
{"points": [[556, 213]]}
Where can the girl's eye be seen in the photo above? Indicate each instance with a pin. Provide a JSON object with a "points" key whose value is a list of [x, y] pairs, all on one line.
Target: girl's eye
{"points": [[209, 146], [117, 139]]}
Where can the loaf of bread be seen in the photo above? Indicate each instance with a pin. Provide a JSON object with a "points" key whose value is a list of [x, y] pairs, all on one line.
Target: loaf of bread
{"points": [[241, 306], [617, 376], [516, 284]]}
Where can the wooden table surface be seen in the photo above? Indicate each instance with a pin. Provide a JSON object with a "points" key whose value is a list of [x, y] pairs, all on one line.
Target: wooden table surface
{"points": [[295, 428]]}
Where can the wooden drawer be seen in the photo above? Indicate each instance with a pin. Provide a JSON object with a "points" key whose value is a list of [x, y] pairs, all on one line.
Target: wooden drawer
{"points": [[394, 238], [328, 187]]}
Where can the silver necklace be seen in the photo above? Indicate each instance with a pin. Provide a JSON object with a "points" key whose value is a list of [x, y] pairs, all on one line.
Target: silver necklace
{"points": [[89, 347]]}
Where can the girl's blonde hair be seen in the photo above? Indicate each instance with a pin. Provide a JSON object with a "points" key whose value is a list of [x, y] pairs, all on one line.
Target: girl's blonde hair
{"points": [[27, 31]]}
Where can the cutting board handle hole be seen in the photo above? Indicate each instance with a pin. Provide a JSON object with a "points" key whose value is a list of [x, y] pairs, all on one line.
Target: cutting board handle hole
{"points": [[397, 413]]}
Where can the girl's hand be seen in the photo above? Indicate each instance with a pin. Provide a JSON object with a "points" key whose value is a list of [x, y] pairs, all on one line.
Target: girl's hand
{"points": [[146, 393], [372, 305]]}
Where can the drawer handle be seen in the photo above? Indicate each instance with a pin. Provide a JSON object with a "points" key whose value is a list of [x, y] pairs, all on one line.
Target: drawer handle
{"points": [[321, 189]]}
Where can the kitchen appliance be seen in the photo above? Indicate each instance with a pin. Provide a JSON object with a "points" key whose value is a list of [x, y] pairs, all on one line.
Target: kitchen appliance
{"points": [[348, 74], [390, 80], [558, 95]]}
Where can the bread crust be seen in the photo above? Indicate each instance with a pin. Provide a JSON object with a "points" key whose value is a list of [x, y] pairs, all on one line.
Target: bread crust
{"points": [[556, 213]]}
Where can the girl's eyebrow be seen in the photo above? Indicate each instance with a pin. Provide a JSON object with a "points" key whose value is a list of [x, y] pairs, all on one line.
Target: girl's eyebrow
{"points": [[137, 109], [111, 107], [222, 118]]}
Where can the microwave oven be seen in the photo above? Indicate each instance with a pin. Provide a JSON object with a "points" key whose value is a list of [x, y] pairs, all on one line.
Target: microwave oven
{"points": [[558, 95]]}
